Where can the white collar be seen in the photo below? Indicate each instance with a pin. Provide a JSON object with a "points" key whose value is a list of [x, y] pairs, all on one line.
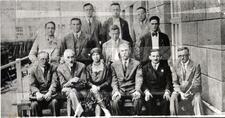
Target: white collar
{"points": [[185, 64], [91, 19], [157, 65], [77, 34]]}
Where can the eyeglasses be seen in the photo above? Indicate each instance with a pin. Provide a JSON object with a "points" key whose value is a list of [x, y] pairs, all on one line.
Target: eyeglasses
{"points": [[185, 55]]}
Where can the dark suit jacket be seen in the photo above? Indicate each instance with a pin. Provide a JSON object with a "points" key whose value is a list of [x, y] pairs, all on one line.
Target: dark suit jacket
{"points": [[78, 70], [131, 81], [159, 80], [81, 46], [146, 46], [124, 27], [93, 32], [42, 82]]}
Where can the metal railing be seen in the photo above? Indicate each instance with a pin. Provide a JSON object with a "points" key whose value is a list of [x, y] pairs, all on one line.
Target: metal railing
{"points": [[19, 71]]}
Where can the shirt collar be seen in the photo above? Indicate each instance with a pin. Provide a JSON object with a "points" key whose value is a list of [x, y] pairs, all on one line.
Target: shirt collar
{"points": [[91, 19], [185, 64], [77, 34], [156, 65]]}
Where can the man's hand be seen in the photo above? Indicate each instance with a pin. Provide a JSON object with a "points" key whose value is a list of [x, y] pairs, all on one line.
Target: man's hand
{"points": [[136, 95], [39, 96], [47, 96], [184, 96], [148, 95], [116, 96], [166, 96], [94, 89]]}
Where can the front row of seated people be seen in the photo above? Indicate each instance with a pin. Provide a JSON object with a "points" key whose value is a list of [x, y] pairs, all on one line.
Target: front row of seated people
{"points": [[155, 85]]}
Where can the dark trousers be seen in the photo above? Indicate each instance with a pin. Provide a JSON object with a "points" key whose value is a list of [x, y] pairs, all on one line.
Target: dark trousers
{"points": [[117, 105], [157, 106], [37, 106]]}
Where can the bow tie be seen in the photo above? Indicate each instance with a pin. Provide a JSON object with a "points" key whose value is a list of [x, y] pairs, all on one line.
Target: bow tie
{"points": [[154, 34]]}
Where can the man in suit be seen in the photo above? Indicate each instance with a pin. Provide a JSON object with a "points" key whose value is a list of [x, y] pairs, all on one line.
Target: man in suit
{"points": [[140, 28], [110, 48], [154, 39], [126, 81], [116, 20], [78, 42], [157, 85], [91, 26], [48, 43], [72, 79], [187, 85], [42, 86]]}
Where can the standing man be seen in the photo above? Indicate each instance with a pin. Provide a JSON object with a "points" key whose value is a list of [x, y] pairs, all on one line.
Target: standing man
{"points": [[157, 85], [140, 28], [49, 43], [78, 42], [92, 26], [110, 48], [126, 81], [43, 86], [72, 79], [187, 86], [116, 20], [155, 39]]}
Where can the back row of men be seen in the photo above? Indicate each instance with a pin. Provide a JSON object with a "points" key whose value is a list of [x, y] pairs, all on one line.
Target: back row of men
{"points": [[105, 64]]}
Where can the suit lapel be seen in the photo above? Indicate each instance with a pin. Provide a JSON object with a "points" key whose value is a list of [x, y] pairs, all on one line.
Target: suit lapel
{"points": [[40, 74], [161, 39], [66, 72], [121, 24], [130, 67], [93, 24], [120, 67], [189, 70]]}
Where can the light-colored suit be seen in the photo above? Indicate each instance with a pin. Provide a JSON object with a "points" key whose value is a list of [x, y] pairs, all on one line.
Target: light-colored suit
{"points": [[188, 82], [43, 44], [138, 30], [126, 82], [72, 90], [108, 50], [93, 31]]}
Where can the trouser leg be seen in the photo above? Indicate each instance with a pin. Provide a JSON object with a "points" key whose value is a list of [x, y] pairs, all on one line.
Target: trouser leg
{"points": [[115, 107], [54, 105], [137, 106], [36, 108], [174, 104]]}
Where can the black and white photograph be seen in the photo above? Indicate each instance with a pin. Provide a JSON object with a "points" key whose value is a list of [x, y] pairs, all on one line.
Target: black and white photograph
{"points": [[112, 58]]}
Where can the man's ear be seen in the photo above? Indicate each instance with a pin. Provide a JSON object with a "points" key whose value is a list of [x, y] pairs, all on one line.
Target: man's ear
{"points": [[149, 57]]}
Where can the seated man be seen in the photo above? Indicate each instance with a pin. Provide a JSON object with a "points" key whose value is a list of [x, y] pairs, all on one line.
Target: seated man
{"points": [[42, 86], [187, 85], [157, 84], [126, 81], [72, 79]]}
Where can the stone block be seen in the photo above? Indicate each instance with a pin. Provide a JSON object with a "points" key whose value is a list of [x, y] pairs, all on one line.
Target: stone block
{"points": [[214, 64], [199, 11], [199, 55], [223, 98], [189, 33], [223, 66], [212, 91], [186, 9], [213, 9], [209, 33]]}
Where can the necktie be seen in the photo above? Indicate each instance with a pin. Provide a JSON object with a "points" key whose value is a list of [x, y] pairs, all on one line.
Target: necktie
{"points": [[89, 23], [184, 72], [125, 66], [77, 36]]}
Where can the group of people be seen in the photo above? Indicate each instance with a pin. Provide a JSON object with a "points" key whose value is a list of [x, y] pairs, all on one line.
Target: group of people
{"points": [[96, 68]]}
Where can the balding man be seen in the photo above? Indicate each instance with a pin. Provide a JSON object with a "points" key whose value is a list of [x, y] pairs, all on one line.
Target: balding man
{"points": [[72, 78], [127, 80], [42, 86]]}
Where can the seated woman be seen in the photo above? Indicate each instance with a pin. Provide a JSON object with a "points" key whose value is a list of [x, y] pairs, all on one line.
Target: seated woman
{"points": [[99, 79]]}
